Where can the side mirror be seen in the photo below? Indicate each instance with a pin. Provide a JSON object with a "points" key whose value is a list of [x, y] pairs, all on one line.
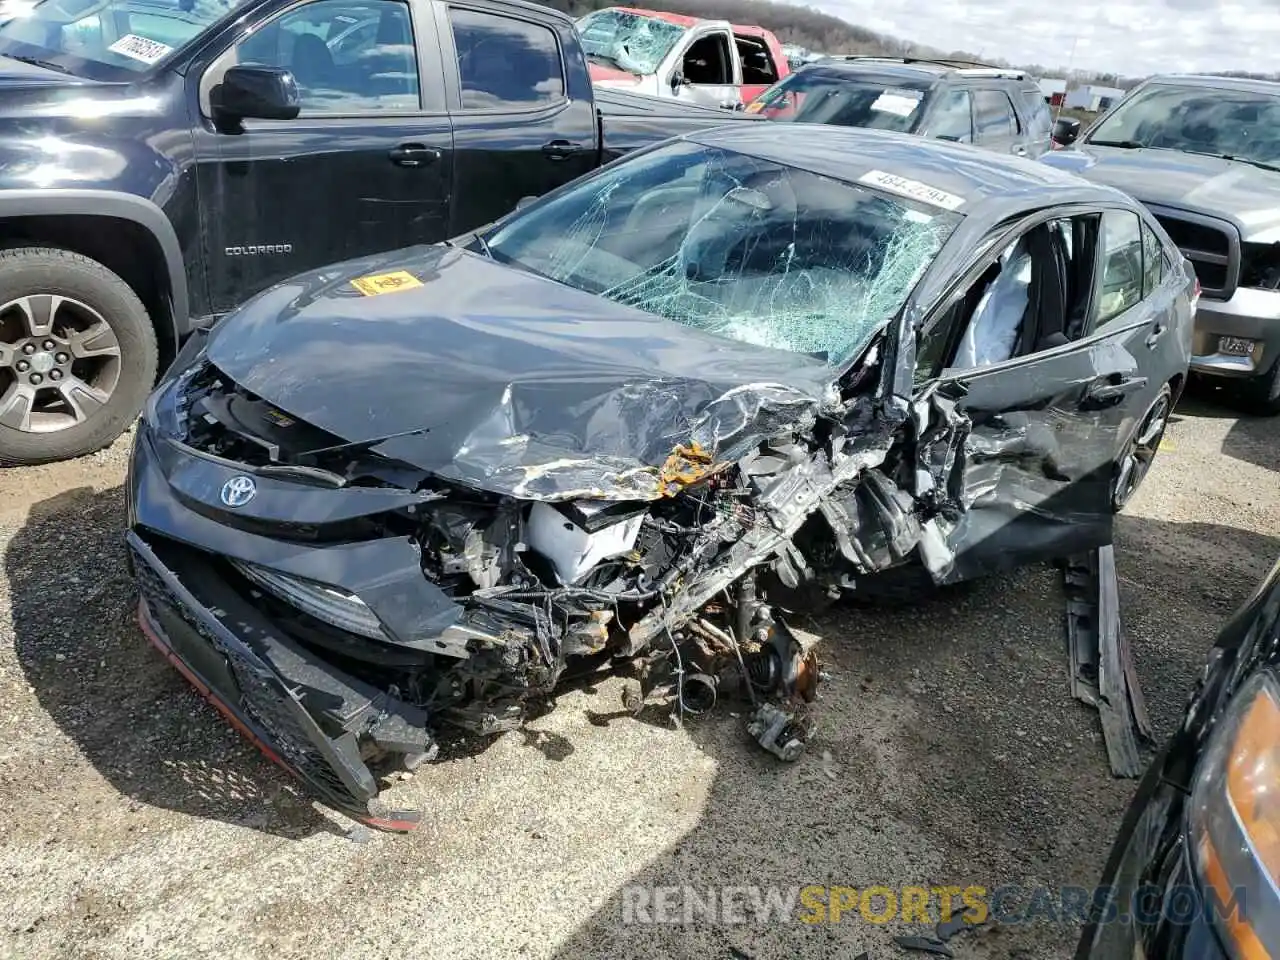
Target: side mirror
{"points": [[677, 81], [261, 93], [1066, 130]]}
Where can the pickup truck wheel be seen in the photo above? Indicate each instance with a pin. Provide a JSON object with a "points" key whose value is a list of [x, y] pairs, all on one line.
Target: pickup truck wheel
{"points": [[77, 355], [1261, 395]]}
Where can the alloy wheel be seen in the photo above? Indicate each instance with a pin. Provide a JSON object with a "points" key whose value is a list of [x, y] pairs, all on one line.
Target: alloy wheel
{"points": [[59, 363], [1132, 467]]}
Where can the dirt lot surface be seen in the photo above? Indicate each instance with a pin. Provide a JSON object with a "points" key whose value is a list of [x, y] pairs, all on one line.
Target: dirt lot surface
{"points": [[138, 824]]}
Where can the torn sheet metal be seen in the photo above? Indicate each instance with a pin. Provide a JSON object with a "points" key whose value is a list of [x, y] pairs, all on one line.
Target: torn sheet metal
{"points": [[1101, 667]]}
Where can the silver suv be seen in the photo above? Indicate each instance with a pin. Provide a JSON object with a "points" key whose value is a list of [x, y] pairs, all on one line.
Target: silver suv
{"points": [[1203, 154]]}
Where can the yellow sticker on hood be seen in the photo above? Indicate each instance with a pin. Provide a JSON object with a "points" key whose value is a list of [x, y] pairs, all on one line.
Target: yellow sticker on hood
{"points": [[378, 283]]}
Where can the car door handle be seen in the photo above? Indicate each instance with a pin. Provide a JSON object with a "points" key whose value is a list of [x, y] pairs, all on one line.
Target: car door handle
{"points": [[561, 149], [1020, 151], [1154, 337], [1108, 393], [414, 155]]}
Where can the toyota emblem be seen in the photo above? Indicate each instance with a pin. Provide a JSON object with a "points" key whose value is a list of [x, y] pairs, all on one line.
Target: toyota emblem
{"points": [[238, 491]]}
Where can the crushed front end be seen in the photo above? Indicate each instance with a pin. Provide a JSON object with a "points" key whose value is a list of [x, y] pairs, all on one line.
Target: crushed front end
{"points": [[343, 608]]}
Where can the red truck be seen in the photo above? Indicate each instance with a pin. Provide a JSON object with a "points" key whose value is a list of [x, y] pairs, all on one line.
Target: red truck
{"points": [[670, 55]]}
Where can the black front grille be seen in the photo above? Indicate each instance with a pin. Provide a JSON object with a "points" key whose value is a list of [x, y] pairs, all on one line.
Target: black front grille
{"points": [[263, 698], [1212, 248]]}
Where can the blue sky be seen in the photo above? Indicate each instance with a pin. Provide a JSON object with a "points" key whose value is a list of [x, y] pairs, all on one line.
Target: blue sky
{"points": [[1133, 37]]}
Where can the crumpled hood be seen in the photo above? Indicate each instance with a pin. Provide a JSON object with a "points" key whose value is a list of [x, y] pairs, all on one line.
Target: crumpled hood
{"points": [[1246, 195], [521, 385]]}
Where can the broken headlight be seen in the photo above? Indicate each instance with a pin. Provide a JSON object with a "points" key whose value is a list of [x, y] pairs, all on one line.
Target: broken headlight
{"points": [[1235, 821], [335, 607]]}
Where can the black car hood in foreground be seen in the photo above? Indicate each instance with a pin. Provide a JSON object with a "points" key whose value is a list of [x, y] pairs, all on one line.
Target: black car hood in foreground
{"points": [[499, 379], [1247, 195]]}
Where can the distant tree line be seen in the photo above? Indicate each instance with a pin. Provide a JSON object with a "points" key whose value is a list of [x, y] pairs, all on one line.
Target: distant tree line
{"points": [[822, 32]]}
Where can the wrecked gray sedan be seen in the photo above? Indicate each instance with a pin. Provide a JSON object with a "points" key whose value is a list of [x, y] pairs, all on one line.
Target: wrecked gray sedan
{"points": [[636, 425]]}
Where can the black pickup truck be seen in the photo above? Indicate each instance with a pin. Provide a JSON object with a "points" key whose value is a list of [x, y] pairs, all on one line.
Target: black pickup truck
{"points": [[163, 160]]}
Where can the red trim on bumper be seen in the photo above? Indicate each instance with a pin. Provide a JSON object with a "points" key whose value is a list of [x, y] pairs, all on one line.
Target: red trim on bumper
{"points": [[154, 637], [152, 634]]}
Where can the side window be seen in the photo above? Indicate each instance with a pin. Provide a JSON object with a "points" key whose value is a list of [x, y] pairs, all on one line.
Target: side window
{"points": [[757, 63], [346, 57], [1154, 260], [505, 63], [953, 117], [1031, 297], [993, 114], [1041, 118], [708, 61], [1121, 264]]}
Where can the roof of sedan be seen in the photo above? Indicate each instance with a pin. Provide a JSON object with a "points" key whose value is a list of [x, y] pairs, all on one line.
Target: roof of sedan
{"points": [[853, 153]]}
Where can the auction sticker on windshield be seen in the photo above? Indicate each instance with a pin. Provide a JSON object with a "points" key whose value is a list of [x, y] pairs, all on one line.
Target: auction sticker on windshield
{"points": [[377, 283], [140, 48], [901, 103], [911, 188]]}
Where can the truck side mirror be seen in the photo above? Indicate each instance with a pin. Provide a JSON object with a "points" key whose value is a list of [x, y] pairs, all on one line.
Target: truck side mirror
{"points": [[677, 81], [262, 93], [1066, 131]]}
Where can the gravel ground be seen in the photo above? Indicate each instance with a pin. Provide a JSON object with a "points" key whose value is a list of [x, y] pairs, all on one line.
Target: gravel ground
{"points": [[950, 752]]}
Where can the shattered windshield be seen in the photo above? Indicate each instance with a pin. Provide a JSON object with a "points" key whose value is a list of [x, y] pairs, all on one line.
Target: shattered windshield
{"points": [[1242, 124], [734, 245], [103, 39], [628, 41], [818, 96]]}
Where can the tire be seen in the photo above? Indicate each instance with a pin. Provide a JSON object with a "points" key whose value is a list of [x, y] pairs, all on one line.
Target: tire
{"points": [[1260, 396], [1133, 463], [89, 392]]}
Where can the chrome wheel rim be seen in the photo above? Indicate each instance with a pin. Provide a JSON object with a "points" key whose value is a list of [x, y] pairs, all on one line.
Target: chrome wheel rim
{"points": [[59, 363], [1136, 461]]}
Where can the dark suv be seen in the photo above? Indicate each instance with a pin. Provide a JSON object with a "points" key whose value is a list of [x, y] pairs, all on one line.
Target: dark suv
{"points": [[956, 100]]}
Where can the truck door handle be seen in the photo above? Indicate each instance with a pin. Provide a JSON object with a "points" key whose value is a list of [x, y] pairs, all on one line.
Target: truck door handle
{"points": [[561, 149], [414, 155], [1108, 393]]}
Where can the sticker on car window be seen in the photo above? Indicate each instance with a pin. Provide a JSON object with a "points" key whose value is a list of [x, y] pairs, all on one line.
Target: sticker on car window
{"points": [[140, 48], [901, 103], [911, 188], [377, 283]]}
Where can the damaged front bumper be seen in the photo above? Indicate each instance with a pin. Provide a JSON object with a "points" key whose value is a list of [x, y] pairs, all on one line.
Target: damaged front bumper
{"points": [[330, 705], [303, 714]]}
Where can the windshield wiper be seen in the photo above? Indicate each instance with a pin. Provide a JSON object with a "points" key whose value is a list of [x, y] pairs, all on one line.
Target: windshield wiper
{"points": [[1260, 164], [1119, 144], [37, 62]]}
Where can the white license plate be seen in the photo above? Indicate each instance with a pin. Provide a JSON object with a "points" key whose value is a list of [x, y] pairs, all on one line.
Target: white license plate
{"points": [[1236, 346]]}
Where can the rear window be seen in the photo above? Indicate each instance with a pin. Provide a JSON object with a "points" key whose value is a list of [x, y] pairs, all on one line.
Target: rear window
{"points": [[845, 100]]}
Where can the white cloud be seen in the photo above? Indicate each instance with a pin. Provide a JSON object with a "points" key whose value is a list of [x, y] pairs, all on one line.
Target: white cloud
{"points": [[1131, 37]]}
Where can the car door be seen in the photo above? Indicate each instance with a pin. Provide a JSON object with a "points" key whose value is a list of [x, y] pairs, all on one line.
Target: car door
{"points": [[366, 166], [951, 116], [995, 123], [520, 128], [709, 65], [1046, 413]]}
